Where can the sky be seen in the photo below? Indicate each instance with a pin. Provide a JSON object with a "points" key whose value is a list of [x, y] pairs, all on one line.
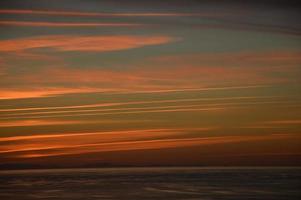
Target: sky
{"points": [[149, 83]]}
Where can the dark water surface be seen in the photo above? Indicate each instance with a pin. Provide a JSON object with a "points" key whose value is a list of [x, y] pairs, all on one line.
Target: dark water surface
{"points": [[152, 183]]}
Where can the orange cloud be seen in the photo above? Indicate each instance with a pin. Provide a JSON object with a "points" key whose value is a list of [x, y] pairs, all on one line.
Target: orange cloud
{"points": [[274, 124], [213, 107], [2, 69], [265, 67], [45, 92], [139, 109], [106, 134], [181, 109], [65, 140], [49, 148], [173, 79], [93, 14], [284, 122], [182, 72], [127, 146], [173, 73], [82, 43], [65, 24], [135, 103], [169, 108], [36, 123], [50, 92], [135, 81], [235, 58]]}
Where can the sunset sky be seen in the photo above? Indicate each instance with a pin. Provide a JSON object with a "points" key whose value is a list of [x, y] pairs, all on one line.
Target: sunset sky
{"points": [[138, 82]]}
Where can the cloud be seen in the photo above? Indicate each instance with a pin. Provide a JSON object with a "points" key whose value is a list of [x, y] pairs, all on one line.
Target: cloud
{"points": [[227, 19], [104, 14], [274, 124], [83, 43], [128, 81], [123, 141], [231, 25], [127, 146], [25, 123], [209, 107], [257, 57], [65, 140], [198, 106], [41, 93], [164, 74], [24, 93], [65, 24], [185, 72], [141, 111], [3, 68], [265, 67], [106, 134], [113, 104], [284, 122], [118, 111]]}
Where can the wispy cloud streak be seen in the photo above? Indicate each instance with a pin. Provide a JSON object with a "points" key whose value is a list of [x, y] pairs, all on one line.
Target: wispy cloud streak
{"points": [[46, 92], [49, 92], [24, 123], [83, 43], [65, 24], [104, 110], [113, 104], [101, 134], [105, 14], [181, 109], [137, 145]]}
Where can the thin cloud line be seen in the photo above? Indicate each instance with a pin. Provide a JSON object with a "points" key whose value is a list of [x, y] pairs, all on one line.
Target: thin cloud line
{"points": [[228, 106], [114, 143], [146, 111], [134, 103], [138, 108], [128, 91], [98, 110], [119, 113], [179, 109], [144, 144], [192, 89], [66, 24], [59, 135], [95, 14], [101, 144]]}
